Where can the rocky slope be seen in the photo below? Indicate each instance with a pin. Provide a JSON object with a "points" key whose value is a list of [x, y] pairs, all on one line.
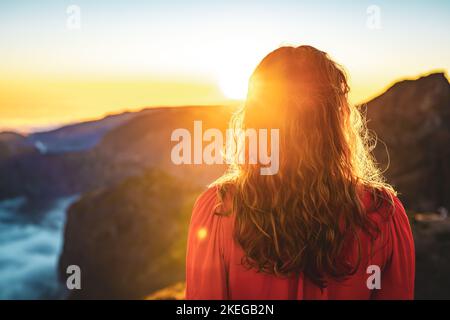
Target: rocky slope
{"points": [[79, 136], [129, 239], [13, 144], [432, 244], [412, 120], [141, 142], [146, 140]]}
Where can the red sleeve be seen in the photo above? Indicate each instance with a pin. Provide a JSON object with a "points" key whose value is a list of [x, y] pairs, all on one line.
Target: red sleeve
{"points": [[205, 268], [397, 275]]}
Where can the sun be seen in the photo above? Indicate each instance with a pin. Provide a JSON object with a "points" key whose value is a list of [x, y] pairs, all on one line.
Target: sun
{"points": [[233, 85]]}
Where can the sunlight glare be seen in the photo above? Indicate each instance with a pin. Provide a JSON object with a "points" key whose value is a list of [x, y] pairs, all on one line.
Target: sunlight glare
{"points": [[233, 85], [202, 233]]}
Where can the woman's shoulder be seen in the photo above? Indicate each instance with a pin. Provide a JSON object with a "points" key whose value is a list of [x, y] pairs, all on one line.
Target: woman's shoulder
{"points": [[209, 196], [216, 199], [209, 220], [383, 205], [212, 204]]}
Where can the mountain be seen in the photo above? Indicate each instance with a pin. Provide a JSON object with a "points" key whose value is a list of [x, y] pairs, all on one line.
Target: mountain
{"points": [[45, 164], [136, 226], [78, 136], [129, 239], [13, 144], [124, 237], [412, 120], [146, 140], [140, 142], [127, 230]]}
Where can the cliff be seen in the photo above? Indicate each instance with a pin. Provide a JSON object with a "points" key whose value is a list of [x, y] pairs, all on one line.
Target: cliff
{"points": [[129, 239], [412, 121]]}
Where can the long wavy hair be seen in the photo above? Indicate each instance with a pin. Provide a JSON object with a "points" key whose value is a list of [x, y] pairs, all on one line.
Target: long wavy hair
{"points": [[301, 219]]}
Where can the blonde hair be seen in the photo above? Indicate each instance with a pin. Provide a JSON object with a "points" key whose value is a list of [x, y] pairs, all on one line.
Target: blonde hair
{"points": [[300, 219]]}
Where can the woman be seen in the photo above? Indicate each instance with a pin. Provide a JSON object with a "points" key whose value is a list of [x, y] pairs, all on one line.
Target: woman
{"points": [[326, 226]]}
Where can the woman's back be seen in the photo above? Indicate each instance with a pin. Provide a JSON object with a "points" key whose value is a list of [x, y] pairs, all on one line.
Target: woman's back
{"points": [[215, 269], [324, 223]]}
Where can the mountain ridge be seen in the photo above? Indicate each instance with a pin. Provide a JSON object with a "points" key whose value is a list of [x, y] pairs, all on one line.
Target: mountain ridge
{"points": [[117, 216], [141, 140]]}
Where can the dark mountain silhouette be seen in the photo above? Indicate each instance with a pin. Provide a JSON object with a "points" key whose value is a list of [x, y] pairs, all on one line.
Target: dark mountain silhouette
{"points": [[412, 119], [129, 239], [13, 144]]}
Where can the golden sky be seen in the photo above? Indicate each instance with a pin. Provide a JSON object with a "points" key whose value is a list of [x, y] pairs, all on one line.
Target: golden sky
{"points": [[126, 55]]}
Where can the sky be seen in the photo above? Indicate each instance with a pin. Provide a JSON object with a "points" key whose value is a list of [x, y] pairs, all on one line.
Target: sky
{"points": [[64, 61]]}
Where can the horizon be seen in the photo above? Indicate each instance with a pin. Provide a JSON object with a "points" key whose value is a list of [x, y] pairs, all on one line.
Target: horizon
{"points": [[67, 62], [30, 129]]}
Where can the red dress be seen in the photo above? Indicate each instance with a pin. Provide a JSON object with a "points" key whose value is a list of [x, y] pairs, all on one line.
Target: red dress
{"points": [[214, 269]]}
